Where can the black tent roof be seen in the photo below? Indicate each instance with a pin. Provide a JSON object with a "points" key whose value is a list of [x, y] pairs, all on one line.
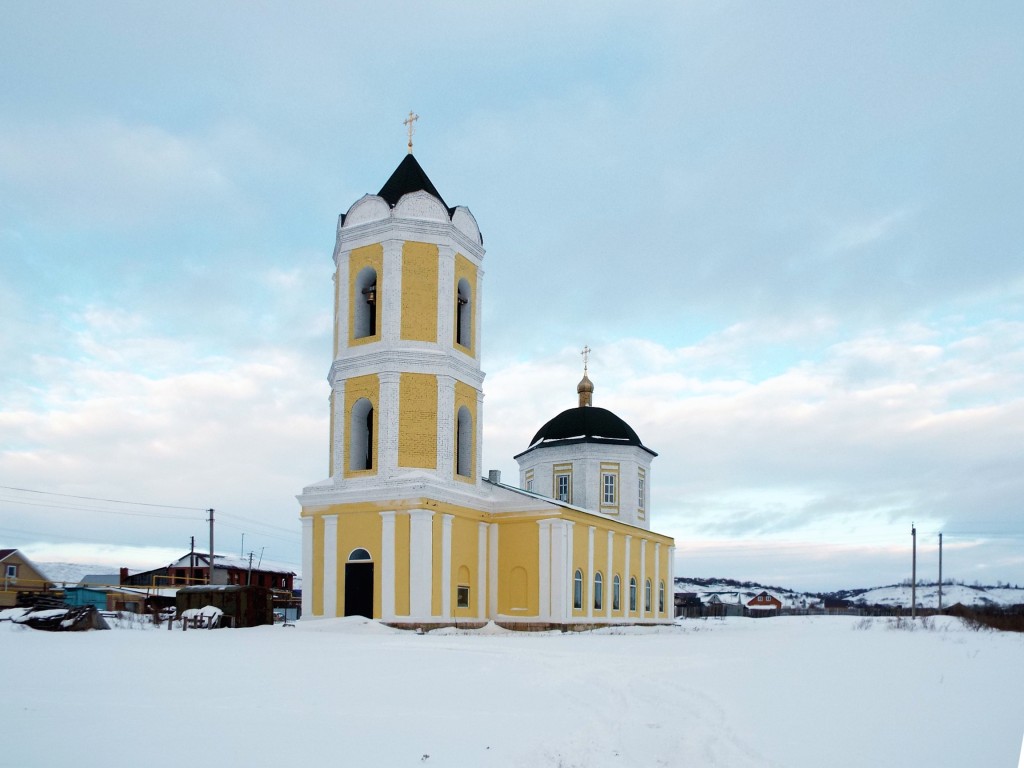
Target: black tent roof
{"points": [[408, 177]]}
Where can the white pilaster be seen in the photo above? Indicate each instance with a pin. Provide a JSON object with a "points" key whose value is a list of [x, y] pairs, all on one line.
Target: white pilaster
{"points": [[567, 578], [446, 427], [307, 567], [386, 417], [544, 570], [481, 571], [446, 296], [387, 565], [627, 576], [446, 565], [421, 563], [330, 566], [643, 579], [479, 438], [340, 423], [609, 577], [492, 571], [671, 587], [391, 309], [559, 598], [657, 578], [588, 593]]}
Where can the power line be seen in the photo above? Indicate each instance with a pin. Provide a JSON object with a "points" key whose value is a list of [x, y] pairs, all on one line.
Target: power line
{"points": [[96, 509], [111, 501]]}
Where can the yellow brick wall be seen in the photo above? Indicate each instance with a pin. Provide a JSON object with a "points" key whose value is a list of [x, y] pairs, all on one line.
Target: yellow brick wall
{"points": [[419, 291], [417, 421]]}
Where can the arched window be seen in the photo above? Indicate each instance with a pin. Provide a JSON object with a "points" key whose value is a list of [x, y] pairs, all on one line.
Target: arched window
{"points": [[464, 315], [360, 446], [598, 591], [577, 589], [632, 593], [661, 597], [616, 588], [647, 596], [464, 443], [359, 554], [364, 300]]}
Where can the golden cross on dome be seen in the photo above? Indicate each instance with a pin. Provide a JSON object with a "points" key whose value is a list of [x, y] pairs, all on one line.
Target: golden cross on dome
{"points": [[586, 356], [412, 118]]}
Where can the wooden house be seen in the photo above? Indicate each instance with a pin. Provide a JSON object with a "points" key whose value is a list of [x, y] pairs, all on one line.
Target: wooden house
{"points": [[19, 576]]}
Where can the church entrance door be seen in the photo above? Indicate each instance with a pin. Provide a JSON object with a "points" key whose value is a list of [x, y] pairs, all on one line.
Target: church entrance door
{"points": [[359, 589]]}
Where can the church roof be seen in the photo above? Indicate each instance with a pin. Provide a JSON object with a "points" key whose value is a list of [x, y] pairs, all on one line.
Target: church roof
{"points": [[586, 424], [408, 177]]}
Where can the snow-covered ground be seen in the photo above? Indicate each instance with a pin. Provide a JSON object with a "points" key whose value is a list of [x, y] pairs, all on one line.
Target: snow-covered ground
{"points": [[788, 691]]}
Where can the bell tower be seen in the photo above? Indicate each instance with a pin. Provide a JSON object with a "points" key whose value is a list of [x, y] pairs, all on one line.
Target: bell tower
{"points": [[406, 384]]}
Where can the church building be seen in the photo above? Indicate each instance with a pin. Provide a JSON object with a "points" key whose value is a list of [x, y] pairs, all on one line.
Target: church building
{"points": [[405, 529]]}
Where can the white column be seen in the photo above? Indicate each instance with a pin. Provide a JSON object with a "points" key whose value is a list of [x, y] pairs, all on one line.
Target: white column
{"points": [[446, 427], [588, 593], [544, 570], [391, 300], [627, 576], [308, 577], [387, 565], [567, 578], [446, 565], [386, 418], [609, 577], [446, 296], [643, 580], [481, 571], [559, 602], [421, 563], [671, 587], [657, 578], [340, 424], [330, 566], [492, 571], [478, 438]]}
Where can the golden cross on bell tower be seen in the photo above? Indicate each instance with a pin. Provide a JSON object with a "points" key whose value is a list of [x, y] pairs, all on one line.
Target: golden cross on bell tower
{"points": [[586, 356], [412, 118]]}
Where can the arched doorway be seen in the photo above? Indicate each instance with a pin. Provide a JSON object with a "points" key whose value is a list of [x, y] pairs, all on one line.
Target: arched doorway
{"points": [[359, 584]]}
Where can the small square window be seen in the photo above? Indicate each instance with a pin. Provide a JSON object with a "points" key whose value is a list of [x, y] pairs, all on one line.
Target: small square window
{"points": [[462, 596], [12, 571]]}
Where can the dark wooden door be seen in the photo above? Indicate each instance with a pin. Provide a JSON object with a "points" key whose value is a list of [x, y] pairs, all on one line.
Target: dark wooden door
{"points": [[359, 589]]}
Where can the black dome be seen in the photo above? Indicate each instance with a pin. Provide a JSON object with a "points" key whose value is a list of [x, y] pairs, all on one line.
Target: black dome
{"points": [[586, 424]]}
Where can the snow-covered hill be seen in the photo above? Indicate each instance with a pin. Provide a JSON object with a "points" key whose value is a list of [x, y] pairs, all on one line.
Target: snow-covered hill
{"points": [[730, 591]]}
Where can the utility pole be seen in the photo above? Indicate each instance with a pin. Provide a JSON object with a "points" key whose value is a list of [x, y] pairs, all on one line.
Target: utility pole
{"points": [[248, 581], [913, 575], [192, 562], [940, 572], [209, 579]]}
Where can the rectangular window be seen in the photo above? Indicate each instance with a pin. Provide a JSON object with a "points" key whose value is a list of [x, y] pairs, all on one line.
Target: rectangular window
{"points": [[561, 482], [12, 571], [529, 480], [609, 490], [641, 490], [462, 596]]}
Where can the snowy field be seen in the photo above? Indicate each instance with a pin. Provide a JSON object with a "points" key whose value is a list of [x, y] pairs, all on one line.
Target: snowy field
{"points": [[790, 691]]}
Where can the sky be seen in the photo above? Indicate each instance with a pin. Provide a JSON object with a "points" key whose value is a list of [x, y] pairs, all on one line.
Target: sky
{"points": [[791, 234]]}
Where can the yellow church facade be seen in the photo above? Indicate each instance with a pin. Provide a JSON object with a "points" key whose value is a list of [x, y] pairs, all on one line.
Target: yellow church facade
{"points": [[405, 529]]}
